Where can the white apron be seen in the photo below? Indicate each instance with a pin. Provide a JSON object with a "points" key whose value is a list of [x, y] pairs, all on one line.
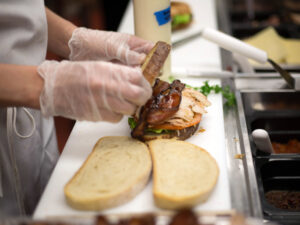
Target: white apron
{"points": [[28, 148]]}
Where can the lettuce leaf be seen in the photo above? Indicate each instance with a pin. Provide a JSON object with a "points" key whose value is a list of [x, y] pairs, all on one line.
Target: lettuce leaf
{"points": [[181, 19], [132, 123]]}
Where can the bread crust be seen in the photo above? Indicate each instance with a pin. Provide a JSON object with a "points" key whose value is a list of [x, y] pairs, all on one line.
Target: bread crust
{"points": [[114, 199], [155, 60], [179, 8]]}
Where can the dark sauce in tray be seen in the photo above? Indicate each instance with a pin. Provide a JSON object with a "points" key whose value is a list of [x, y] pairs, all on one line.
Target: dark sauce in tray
{"points": [[293, 146], [288, 200]]}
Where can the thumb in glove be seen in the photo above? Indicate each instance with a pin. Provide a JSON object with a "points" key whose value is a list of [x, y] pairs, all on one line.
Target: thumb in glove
{"points": [[88, 44]]}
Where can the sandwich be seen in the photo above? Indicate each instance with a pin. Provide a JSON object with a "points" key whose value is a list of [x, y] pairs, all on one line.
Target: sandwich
{"points": [[181, 15], [173, 111]]}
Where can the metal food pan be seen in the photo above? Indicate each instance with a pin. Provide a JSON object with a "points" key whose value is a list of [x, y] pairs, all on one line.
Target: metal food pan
{"points": [[282, 130], [276, 112], [279, 188]]}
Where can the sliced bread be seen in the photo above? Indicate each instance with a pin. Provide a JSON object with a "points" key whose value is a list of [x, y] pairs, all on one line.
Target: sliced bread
{"points": [[183, 173], [155, 60], [117, 169]]}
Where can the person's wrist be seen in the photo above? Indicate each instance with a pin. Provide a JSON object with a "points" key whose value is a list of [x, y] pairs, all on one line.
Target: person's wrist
{"points": [[69, 33], [34, 88], [74, 42]]}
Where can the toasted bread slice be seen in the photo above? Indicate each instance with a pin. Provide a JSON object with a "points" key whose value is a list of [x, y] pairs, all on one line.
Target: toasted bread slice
{"points": [[183, 174], [114, 173], [155, 60]]}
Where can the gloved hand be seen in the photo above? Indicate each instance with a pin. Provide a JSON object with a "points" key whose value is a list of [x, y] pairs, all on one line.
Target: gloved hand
{"points": [[88, 44], [91, 90]]}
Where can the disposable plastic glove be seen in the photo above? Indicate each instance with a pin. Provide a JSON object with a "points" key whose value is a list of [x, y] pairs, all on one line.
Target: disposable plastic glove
{"points": [[91, 90], [88, 44]]}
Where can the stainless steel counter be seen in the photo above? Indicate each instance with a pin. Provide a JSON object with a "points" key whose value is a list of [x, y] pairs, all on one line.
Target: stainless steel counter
{"points": [[261, 95], [245, 193]]}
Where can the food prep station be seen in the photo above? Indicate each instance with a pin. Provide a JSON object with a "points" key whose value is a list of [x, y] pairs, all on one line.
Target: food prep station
{"points": [[250, 179]]}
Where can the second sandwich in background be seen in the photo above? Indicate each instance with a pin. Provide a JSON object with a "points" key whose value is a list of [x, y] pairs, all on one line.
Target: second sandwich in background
{"points": [[181, 15]]}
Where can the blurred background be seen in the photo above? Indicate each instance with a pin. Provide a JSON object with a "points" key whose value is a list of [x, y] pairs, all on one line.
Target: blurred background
{"points": [[247, 17], [271, 25], [96, 14]]}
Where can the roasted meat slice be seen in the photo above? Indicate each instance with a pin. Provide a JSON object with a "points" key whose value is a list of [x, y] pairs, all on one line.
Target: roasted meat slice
{"points": [[163, 104]]}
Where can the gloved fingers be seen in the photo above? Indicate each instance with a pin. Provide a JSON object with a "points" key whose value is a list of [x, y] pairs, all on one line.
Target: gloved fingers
{"points": [[136, 60], [137, 94], [109, 116], [88, 44], [131, 58], [135, 50], [129, 49], [136, 77], [121, 106], [130, 84], [140, 45], [115, 104], [140, 89]]}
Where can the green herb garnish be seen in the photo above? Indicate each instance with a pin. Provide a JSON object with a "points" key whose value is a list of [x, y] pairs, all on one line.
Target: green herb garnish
{"points": [[131, 123], [206, 89]]}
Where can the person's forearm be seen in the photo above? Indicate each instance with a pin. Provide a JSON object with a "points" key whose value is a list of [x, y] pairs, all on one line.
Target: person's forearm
{"points": [[59, 33], [20, 86]]}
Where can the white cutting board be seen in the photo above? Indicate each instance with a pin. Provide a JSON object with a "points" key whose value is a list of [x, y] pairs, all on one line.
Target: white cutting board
{"points": [[86, 134]]}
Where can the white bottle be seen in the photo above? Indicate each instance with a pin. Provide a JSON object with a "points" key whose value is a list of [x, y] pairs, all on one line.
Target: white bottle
{"points": [[152, 21]]}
